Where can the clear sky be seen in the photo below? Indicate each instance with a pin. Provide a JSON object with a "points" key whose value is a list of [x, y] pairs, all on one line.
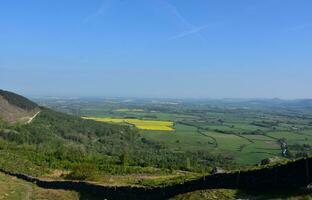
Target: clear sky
{"points": [[157, 48]]}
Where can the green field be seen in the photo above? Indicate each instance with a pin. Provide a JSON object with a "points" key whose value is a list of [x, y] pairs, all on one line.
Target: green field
{"points": [[241, 149]]}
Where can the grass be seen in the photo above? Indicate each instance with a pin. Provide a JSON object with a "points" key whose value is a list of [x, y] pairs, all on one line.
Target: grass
{"points": [[216, 194], [139, 123], [12, 188], [249, 149], [292, 137], [228, 194], [183, 138]]}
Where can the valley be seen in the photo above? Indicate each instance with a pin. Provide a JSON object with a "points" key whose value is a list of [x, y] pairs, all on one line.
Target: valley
{"points": [[245, 132], [153, 144], [155, 100]]}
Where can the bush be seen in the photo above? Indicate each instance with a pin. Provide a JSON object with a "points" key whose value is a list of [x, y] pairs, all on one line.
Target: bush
{"points": [[83, 172]]}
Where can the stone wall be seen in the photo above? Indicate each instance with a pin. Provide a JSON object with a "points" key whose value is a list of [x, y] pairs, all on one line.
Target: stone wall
{"points": [[293, 175]]}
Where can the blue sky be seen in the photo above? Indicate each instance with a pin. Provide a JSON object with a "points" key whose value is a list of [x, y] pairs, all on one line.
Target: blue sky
{"points": [[157, 48]]}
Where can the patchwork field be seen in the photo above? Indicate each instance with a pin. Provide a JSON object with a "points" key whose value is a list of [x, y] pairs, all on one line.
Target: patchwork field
{"points": [[140, 124], [248, 149], [244, 132]]}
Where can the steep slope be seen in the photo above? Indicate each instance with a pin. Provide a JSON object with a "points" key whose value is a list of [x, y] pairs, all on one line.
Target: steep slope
{"points": [[16, 108]]}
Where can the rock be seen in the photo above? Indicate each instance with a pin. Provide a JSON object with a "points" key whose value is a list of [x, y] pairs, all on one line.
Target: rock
{"points": [[217, 170], [270, 160]]}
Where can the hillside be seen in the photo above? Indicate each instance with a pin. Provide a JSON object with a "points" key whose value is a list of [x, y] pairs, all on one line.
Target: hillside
{"points": [[283, 181], [16, 108], [83, 149], [56, 146], [12, 188]]}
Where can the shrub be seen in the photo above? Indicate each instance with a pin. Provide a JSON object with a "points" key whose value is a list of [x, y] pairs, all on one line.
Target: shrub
{"points": [[83, 172]]}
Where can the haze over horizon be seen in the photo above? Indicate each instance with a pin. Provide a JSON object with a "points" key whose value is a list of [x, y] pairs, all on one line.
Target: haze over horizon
{"points": [[157, 48]]}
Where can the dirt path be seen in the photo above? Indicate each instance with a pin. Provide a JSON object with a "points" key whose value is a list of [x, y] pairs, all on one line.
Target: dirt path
{"points": [[33, 117]]}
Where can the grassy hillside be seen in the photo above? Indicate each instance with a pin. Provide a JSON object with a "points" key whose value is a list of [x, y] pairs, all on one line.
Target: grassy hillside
{"points": [[89, 150], [12, 188], [226, 194], [82, 149]]}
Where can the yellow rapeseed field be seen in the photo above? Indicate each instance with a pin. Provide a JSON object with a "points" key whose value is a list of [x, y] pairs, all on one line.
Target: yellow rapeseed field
{"points": [[139, 123]]}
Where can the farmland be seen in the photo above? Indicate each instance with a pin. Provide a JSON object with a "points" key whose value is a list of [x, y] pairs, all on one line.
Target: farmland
{"points": [[139, 123], [245, 132]]}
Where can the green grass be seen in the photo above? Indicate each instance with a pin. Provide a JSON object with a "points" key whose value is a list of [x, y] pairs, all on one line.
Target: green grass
{"points": [[171, 116], [183, 138], [292, 137], [187, 138], [12, 188], [216, 194], [227, 194]]}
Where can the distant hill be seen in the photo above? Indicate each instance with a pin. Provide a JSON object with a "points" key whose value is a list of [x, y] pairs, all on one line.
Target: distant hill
{"points": [[16, 108]]}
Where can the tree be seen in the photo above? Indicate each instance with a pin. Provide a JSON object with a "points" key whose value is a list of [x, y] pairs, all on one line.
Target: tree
{"points": [[83, 172], [188, 163], [124, 158]]}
